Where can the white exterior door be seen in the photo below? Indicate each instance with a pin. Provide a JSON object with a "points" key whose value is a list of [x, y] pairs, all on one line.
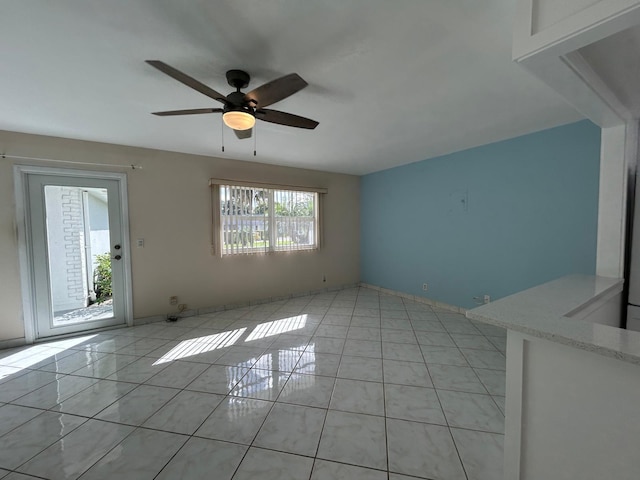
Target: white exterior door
{"points": [[76, 251]]}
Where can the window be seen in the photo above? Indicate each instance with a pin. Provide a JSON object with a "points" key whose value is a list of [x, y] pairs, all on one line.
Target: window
{"points": [[261, 219]]}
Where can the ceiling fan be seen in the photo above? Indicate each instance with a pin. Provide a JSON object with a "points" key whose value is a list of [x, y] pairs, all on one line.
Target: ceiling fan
{"points": [[241, 110]]}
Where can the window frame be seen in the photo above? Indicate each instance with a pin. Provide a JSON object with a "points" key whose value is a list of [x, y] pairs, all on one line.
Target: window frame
{"points": [[217, 243]]}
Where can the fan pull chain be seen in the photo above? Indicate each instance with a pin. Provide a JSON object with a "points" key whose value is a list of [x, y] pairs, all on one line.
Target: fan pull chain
{"points": [[222, 133], [255, 138]]}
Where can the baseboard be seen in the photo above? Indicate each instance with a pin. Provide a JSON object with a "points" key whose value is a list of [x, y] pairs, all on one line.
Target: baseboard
{"points": [[151, 319], [12, 343], [19, 342], [248, 303], [416, 298]]}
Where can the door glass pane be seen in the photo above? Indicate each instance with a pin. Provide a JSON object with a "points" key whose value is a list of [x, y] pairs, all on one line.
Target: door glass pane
{"points": [[78, 243]]}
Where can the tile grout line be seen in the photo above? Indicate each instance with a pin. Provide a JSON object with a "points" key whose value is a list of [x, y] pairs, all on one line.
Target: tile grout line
{"points": [[324, 422], [443, 412], [384, 395], [253, 367], [263, 422]]}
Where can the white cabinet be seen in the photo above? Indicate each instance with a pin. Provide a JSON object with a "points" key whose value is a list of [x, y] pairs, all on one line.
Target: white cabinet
{"points": [[571, 413], [560, 27], [568, 44]]}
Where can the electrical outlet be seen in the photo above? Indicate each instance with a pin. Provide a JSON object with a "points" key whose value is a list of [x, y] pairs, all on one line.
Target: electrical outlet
{"points": [[425, 287], [486, 299], [182, 307], [173, 300]]}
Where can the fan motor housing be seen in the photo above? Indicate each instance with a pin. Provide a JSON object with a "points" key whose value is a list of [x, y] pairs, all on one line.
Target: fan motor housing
{"points": [[238, 79], [236, 98]]}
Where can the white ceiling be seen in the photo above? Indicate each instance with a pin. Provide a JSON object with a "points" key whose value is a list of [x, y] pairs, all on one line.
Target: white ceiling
{"points": [[390, 82]]}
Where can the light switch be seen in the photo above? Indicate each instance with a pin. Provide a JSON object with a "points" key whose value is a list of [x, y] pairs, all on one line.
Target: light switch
{"points": [[140, 243]]}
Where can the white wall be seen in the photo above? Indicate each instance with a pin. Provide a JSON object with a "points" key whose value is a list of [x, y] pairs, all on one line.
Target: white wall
{"points": [[169, 206]]}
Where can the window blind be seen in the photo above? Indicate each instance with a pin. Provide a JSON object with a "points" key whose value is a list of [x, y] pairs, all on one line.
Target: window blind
{"points": [[254, 219]]}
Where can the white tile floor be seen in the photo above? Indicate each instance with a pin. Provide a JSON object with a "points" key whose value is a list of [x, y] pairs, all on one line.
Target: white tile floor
{"points": [[346, 385]]}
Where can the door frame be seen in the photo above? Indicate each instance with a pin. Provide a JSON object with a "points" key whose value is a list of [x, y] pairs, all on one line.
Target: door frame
{"points": [[20, 173]]}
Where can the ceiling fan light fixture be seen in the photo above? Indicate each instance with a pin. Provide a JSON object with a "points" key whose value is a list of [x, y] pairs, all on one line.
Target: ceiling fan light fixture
{"points": [[239, 112], [239, 120]]}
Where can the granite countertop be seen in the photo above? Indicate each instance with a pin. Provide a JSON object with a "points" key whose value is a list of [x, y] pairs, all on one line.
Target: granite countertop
{"points": [[544, 311]]}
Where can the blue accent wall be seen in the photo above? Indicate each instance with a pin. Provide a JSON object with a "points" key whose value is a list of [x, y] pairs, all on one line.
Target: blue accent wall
{"points": [[494, 220]]}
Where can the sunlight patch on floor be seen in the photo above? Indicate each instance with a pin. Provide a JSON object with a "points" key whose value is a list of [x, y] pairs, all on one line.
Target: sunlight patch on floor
{"points": [[195, 346], [277, 326], [29, 356]]}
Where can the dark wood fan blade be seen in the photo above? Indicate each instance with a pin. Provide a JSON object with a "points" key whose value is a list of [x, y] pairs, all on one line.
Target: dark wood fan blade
{"points": [[275, 90], [283, 118], [242, 134], [187, 80], [193, 111]]}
